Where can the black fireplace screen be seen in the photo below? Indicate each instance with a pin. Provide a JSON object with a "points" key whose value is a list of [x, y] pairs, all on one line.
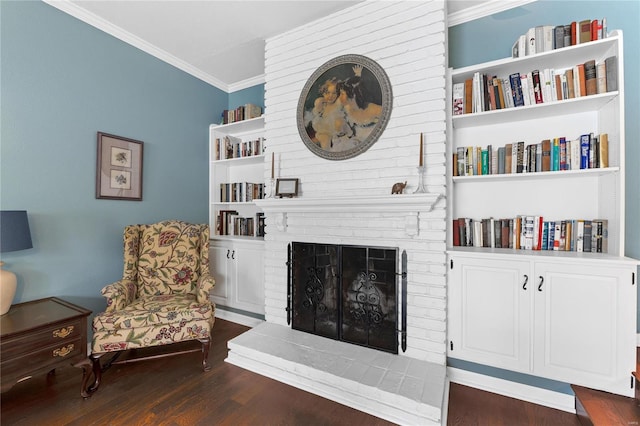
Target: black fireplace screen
{"points": [[346, 293]]}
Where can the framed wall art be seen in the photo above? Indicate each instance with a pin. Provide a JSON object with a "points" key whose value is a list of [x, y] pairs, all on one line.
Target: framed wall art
{"points": [[344, 107], [119, 168]]}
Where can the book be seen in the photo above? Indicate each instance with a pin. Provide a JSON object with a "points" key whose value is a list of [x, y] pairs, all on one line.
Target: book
{"points": [[571, 92], [462, 154], [555, 155], [591, 83], [558, 37], [519, 48], [539, 31], [586, 240], [524, 84], [537, 87], [567, 35], [580, 235], [601, 78], [501, 158], [574, 33], [585, 144], [601, 236], [603, 149], [468, 96], [563, 154], [519, 146], [508, 156], [611, 64], [516, 89], [581, 86], [584, 31], [531, 42], [458, 98]]}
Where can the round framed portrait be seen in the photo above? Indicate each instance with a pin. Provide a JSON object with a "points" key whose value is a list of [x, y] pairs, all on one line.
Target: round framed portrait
{"points": [[344, 107]]}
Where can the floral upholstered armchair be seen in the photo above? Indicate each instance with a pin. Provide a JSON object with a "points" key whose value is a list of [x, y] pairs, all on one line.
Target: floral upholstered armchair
{"points": [[163, 296]]}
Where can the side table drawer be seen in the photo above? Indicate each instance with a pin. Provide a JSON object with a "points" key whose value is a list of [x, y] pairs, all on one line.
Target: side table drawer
{"points": [[42, 358], [58, 334]]}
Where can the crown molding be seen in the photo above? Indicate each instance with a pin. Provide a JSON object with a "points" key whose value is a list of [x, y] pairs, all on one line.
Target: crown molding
{"points": [[484, 9], [78, 12], [249, 82]]}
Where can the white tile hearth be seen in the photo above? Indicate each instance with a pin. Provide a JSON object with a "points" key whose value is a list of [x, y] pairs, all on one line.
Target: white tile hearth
{"points": [[393, 387]]}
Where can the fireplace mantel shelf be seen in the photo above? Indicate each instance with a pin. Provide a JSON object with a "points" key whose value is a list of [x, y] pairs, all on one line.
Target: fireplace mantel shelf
{"points": [[379, 203], [410, 205]]}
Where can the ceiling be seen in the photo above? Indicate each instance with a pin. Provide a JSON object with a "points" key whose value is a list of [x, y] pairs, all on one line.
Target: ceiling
{"points": [[220, 42]]}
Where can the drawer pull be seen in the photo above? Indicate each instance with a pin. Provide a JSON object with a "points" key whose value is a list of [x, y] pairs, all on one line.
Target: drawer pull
{"points": [[63, 351], [63, 332]]}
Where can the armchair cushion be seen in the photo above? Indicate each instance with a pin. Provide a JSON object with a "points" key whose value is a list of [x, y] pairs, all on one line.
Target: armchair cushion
{"points": [[153, 321]]}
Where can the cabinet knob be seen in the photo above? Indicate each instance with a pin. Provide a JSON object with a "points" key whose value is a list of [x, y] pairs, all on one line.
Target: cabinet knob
{"points": [[233, 254], [526, 280], [541, 281], [228, 253]]}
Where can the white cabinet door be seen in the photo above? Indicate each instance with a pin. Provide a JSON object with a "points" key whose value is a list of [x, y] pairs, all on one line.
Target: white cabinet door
{"points": [[585, 325], [489, 312], [249, 285], [223, 271]]}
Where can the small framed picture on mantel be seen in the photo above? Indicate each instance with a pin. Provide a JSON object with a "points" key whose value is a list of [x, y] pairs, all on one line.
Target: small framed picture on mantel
{"points": [[287, 188], [119, 168]]}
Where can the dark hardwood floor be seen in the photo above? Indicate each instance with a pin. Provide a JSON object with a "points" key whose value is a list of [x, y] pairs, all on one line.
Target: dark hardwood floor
{"points": [[175, 391]]}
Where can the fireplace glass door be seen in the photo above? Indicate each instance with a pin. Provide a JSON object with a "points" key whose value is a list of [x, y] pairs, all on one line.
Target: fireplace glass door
{"points": [[347, 293]]}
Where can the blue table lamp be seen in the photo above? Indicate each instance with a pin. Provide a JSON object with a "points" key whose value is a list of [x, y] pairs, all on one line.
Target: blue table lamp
{"points": [[14, 235]]}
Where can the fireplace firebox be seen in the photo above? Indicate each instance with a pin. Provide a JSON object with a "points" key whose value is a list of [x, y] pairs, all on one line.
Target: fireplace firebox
{"points": [[346, 293]]}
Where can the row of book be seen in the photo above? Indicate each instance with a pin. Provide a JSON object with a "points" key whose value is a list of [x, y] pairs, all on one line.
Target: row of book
{"points": [[589, 151], [533, 233], [244, 112], [229, 222], [543, 38], [233, 147], [241, 192], [485, 92]]}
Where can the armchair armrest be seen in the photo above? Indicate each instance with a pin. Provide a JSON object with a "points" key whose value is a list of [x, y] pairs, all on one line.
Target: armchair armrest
{"points": [[119, 294], [205, 285]]}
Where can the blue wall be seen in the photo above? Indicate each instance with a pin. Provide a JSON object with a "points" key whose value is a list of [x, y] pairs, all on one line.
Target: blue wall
{"points": [[63, 81], [251, 95], [491, 38]]}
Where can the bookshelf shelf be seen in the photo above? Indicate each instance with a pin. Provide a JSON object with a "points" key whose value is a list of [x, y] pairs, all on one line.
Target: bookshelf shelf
{"points": [[516, 308], [535, 112], [562, 174]]}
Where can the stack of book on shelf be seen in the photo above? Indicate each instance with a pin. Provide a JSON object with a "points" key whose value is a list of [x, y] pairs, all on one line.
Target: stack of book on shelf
{"points": [[544, 38], [532, 233], [588, 151], [241, 192], [244, 112], [485, 92], [232, 147], [229, 222]]}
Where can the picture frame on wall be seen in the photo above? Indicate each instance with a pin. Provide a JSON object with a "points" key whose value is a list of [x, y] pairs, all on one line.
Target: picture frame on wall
{"points": [[344, 107], [287, 187], [119, 168]]}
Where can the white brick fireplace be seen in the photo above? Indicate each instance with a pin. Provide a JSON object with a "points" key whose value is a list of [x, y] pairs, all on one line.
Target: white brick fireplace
{"points": [[350, 202]]}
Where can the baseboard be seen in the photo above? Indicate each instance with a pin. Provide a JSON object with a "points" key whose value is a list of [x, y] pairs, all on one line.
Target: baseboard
{"points": [[547, 398], [237, 318]]}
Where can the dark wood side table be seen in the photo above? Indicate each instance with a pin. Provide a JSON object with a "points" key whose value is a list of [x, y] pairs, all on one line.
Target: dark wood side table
{"points": [[37, 337]]}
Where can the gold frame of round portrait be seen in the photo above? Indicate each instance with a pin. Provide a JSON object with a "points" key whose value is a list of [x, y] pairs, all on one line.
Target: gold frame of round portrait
{"points": [[353, 127]]}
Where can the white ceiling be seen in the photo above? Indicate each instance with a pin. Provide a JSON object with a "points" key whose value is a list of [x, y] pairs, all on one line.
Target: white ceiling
{"points": [[219, 41]]}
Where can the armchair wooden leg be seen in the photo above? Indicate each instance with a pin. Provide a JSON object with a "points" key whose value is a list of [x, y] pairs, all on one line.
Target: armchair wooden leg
{"points": [[90, 368], [206, 344]]}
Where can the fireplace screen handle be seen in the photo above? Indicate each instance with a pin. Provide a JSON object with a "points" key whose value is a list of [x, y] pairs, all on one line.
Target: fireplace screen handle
{"points": [[403, 330]]}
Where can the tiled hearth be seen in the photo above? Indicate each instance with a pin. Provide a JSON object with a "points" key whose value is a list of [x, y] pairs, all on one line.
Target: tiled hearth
{"points": [[396, 388]]}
